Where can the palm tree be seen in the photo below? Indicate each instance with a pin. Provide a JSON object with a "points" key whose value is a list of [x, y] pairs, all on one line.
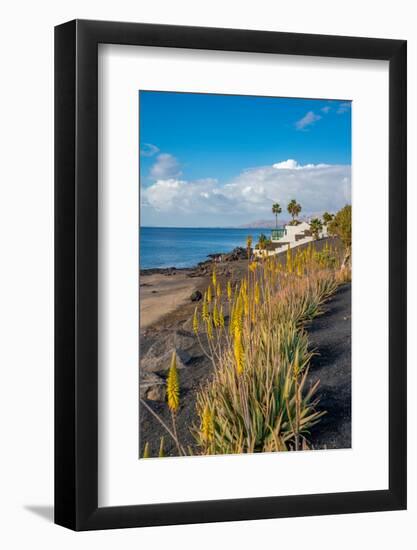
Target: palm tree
{"points": [[276, 209], [294, 209], [327, 218], [316, 227]]}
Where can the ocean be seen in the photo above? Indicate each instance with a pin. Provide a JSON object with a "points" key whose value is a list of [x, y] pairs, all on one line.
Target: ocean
{"points": [[186, 246]]}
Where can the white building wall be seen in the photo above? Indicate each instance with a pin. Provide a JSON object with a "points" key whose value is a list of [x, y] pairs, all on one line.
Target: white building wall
{"points": [[289, 238]]}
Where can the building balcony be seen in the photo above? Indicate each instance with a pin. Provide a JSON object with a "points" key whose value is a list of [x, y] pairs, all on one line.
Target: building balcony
{"points": [[277, 234]]}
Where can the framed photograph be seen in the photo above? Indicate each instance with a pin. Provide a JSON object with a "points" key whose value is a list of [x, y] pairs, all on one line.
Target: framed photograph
{"points": [[230, 244]]}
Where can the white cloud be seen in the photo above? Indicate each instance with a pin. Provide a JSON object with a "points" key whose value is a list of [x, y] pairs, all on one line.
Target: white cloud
{"points": [[166, 166], [326, 109], [292, 164], [307, 120], [343, 107], [317, 187], [149, 150]]}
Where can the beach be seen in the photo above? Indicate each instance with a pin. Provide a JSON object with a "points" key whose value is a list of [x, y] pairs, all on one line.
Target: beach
{"points": [[167, 303], [161, 294]]}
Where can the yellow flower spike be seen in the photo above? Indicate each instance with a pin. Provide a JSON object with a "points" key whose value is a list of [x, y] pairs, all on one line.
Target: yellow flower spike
{"points": [[218, 290], [209, 328], [214, 278], [239, 317], [207, 425], [238, 351], [229, 290], [232, 323], [236, 322], [216, 319], [205, 312], [244, 297], [173, 385], [252, 266], [146, 451], [195, 322], [209, 294]]}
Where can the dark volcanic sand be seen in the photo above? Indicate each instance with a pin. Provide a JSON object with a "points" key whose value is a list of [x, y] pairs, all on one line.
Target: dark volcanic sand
{"points": [[151, 430], [330, 335]]}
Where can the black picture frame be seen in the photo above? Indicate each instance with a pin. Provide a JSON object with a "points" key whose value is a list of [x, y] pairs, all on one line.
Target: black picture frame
{"points": [[76, 272]]}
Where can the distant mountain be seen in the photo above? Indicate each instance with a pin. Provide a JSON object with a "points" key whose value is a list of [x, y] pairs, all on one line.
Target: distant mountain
{"points": [[262, 224], [270, 224]]}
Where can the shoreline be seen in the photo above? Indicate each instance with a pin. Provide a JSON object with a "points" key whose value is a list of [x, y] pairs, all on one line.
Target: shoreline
{"points": [[236, 244], [161, 294], [167, 291], [165, 294], [237, 253]]}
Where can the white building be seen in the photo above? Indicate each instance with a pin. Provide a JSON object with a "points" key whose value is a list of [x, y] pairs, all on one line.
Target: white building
{"points": [[292, 235]]}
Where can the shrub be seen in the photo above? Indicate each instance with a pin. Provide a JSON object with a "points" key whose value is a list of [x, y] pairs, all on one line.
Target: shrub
{"points": [[341, 226], [254, 334], [257, 399]]}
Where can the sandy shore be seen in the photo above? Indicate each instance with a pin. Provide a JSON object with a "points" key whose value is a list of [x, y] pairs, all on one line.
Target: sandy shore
{"points": [[162, 294]]}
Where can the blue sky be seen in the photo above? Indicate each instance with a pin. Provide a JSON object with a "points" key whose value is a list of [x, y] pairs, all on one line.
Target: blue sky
{"points": [[219, 153]]}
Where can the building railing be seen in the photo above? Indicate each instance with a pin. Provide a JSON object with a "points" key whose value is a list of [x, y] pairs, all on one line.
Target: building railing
{"points": [[277, 234]]}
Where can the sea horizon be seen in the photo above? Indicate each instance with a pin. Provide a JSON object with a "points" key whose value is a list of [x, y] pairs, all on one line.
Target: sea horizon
{"points": [[163, 247], [204, 227]]}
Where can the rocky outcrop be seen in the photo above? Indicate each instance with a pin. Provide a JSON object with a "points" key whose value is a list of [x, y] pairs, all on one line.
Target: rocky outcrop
{"points": [[237, 253], [152, 387], [196, 296], [159, 356], [155, 362]]}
